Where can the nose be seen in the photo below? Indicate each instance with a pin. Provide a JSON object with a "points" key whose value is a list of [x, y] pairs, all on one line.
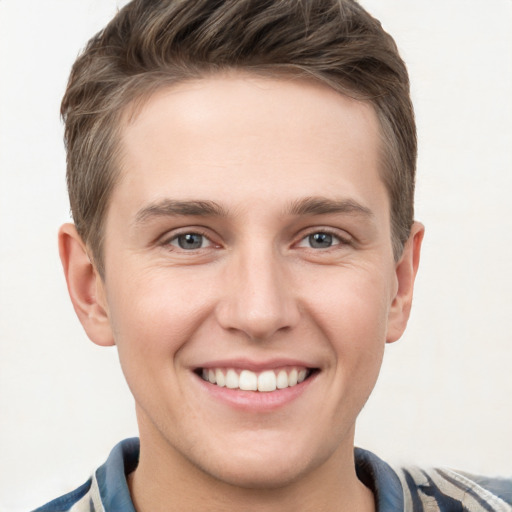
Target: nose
{"points": [[258, 298]]}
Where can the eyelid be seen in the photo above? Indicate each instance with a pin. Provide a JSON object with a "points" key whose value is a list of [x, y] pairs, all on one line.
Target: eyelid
{"points": [[174, 234], [206, 242], [342, 239]]}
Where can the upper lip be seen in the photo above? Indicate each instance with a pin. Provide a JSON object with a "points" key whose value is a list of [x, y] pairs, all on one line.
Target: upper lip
{"points": [[256, 366]]}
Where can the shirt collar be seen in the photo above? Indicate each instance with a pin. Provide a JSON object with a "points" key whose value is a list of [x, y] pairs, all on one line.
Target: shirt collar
{"points": [[123, 459], [111, 476], [381, 479]]}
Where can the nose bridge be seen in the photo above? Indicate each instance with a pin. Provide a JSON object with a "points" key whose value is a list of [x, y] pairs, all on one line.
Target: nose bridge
{"points": [[259, 299]]}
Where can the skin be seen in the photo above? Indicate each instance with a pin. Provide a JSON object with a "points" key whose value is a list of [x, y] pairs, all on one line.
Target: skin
{"points": [[257, 292]]}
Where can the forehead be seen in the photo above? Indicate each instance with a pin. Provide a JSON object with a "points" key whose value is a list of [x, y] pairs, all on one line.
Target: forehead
{"points": [[269, 136]]}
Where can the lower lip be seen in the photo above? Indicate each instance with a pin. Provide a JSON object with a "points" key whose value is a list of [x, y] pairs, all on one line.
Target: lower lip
{"points": [[256, 401]]}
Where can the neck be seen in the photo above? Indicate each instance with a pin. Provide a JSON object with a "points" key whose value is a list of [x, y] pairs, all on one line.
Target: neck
{"points": [[166, 481]]}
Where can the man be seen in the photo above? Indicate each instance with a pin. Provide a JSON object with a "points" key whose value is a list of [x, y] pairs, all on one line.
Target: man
{"points": [[241, 176]]}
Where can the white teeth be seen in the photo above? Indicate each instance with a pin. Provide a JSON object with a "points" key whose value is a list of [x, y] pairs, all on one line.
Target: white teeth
{"points": [[219, 377], [282, 380], [247, 380], [232, 379], [267, 381]]}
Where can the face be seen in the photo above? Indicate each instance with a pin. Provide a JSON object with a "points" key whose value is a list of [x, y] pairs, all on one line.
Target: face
{"points": [[250, 284]]}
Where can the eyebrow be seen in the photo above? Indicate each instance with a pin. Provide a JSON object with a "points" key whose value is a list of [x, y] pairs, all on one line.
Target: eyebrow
{"points": [[171, 207], [324, 205], [198, 208]]}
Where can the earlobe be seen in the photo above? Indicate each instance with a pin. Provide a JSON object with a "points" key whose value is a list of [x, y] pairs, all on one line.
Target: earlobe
{"points": [[85, 286], [406, 270]]}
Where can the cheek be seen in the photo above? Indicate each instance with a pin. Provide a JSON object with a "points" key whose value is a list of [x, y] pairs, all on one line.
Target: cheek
{"points": [[151, 322], [352, 309], [155, 315], [353, 317]]}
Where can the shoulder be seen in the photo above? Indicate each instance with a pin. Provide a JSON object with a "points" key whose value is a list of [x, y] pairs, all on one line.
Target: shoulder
{"points": [[107, 489], [414, 489], [446, 490]]}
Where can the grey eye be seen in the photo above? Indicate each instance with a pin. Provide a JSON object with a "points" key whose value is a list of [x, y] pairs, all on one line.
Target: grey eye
{"points": [[190, 241], [320, 240]]}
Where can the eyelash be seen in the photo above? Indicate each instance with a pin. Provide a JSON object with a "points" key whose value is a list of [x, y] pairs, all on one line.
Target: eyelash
{"points": [[176, 236], [337, 240]]}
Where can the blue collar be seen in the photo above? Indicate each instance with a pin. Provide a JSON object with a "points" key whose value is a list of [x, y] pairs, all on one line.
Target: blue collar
{"points": [[381, 479], [111, 476], [123, 459]]}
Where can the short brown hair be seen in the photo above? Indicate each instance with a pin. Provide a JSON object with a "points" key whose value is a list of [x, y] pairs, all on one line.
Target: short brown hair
{"points": [[150, 44]]}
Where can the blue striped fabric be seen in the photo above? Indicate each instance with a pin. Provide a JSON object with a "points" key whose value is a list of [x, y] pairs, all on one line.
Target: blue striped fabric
{"points": [[404, 489]]}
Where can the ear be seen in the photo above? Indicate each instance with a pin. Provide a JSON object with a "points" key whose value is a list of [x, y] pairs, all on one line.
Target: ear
{"points": [[406, 270], [85, 286]]}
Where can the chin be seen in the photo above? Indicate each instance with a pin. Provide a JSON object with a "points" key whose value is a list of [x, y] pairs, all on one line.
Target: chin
{"points": [[258, 475], [264, 465]]}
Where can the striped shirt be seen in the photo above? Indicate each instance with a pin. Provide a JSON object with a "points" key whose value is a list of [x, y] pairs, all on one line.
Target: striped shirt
{"points": [[395, 490]]}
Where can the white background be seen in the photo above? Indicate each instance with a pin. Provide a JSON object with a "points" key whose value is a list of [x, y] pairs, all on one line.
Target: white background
{"points": [[445, 391]]}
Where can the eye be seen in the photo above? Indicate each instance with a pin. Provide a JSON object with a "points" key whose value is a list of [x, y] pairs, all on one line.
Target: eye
{"points": [[320, 240], [190, 241]]}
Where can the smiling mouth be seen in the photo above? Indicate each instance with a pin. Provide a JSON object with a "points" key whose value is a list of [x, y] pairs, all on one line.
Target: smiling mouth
{"points": [[247, 380]]}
